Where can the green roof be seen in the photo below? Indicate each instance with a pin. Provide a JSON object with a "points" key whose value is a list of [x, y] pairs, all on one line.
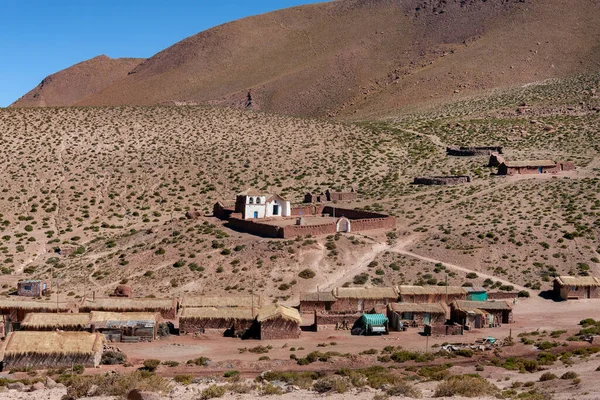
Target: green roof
{"points": [[374, 319]]}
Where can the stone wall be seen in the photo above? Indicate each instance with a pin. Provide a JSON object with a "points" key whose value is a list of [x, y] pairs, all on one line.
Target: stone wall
{"points": [[31, 289], [442, 180], [256, 228], [220, 326], [222, 212], [473, 151], [293, 231], [341, 196], [328, 321], [443, 330]]}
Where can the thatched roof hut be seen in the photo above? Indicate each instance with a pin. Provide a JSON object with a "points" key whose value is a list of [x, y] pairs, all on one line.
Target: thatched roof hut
{"points": [[278, 322], [431, 294], [416, 314], [222, 301], [166, 307], [478, 314], [577, 287], [54, 321], [15, 309], [227, 321], [370, 293], [24, 349]]}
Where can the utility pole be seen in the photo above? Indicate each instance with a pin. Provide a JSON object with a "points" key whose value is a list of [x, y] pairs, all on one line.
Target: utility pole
{"points": [[253, 295], [446, 287]]}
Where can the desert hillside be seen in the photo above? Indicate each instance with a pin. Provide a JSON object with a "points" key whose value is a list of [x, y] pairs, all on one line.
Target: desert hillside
{"points": [[73, 84], [361, 58]]}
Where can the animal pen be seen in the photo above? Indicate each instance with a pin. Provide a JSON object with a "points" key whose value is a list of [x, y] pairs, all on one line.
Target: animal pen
{"points": [[28, 349]]}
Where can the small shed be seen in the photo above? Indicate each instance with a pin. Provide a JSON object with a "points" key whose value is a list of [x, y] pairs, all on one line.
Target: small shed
{"points": [[477, 293], [361, 299], [316, 301], [431, 294], [166, 307], [226, 321], [480, 314], [576, 287], [29, 349], [32, 288], [125, 327], [55, 321], [278, 322], [416, 315]]}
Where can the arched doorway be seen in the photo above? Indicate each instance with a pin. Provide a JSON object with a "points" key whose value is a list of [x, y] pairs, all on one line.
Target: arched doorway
{"points": [[343, 225]]}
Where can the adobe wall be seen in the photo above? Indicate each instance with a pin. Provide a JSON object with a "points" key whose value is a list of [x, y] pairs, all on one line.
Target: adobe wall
{"points": [[502, 295], [342, 196], [315, 209], [212, 325], [580, 292], [442, 180], [352, 214], [359, 305], [325, 321], [222, 212], [566, 165], [443, 330], [310, 306], [35, 289], [369, 224], [256, 228], [432, 298], [293, 231]]}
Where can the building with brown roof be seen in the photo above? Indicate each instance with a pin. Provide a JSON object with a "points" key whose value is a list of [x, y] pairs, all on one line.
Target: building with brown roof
{"points": [[316, 301], [278, 322], [534, 167], [480, 314], [576, 287], [362, 299], [431, 294], [224, 321], [415, 315]]}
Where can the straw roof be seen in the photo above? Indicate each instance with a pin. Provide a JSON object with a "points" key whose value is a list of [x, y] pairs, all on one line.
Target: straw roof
{"points": [[317, 296], [222, 301], [237, 313], [125, 303], [55, 320], [274, 311], [468, 305], [530, 163], [577, 280], [432, 308], [10, 303], [33, 342], [103, 316], [371, 293], [430, 290]]}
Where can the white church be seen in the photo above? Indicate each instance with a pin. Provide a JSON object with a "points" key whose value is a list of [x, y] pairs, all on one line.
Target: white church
{"points": [[255, 205]]}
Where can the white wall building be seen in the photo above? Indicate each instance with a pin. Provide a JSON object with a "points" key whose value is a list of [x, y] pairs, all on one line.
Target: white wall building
{"points": [[254, 205]]}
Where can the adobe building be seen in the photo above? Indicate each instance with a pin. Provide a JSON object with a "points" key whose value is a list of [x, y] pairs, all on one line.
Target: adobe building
{"points": [[415, 315], [330, 196], [255, 205], [316, 301], [278, 322], [576, 287], [226, 321], [480, 314], [362, 299], [534, 167], [32, 288], [431, 294]]}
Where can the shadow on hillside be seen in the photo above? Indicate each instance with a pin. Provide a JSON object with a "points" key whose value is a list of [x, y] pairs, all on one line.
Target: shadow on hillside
{"points": [[549, 295]]}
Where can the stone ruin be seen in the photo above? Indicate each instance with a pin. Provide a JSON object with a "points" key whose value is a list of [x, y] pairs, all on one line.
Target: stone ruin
{"points": [[473, 151], [442, 180]]}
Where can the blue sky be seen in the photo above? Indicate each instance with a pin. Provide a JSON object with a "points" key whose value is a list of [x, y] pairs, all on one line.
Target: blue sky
{"points": [[40, 37]]}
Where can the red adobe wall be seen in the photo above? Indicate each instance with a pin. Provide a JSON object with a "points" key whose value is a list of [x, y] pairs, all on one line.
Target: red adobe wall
{"points": [[292, 231], [257, 228]]}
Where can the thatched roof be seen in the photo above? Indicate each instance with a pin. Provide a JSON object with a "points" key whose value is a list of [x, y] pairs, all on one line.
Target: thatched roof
{"points": [[125, 304], [12, 303], [317, 296], [433, 308], [236, 313], [530, 163], [65, 343], [371, 293], [577, 281], [274, 311], [468, 305], [222, 301], [55, 320], [103, 316], [430, 290]]}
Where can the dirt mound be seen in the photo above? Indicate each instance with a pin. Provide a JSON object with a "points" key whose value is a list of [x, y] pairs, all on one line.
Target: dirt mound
{"points": [[73, 84]]}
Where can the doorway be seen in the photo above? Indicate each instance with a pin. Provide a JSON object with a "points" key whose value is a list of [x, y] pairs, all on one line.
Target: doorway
{"points": [[275, 209], [426, 318], [255, 214]]}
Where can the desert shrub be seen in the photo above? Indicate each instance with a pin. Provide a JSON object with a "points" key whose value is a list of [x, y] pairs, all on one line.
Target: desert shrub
{"points": [[569, 375], [270, 390], [213, 391], [112, 358], [303, 380], [435, 372], [404, 389], [547, 376], [170, 363], [471, 275], [403, 355], [546, 358], [360, 279], [78, 369], [200, 361], [113, 385], [546, 345], [232, 373], [151, 365], [464, 353], [523, 293], [337, 384], [307, 273], [183, 379], [239, 388], [465, 385]]}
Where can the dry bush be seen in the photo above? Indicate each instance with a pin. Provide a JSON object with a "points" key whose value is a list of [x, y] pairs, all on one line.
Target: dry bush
{"points": [[465, 385]]}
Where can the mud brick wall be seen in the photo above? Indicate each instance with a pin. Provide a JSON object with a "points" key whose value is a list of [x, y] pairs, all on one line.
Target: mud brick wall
{"points": [[342, 196], [30, 289], [359, 305], [310, 306], [432, 298], [212, 325], [443, 330], [257, 228], [293, 231], [566, 165], [352, 214], [473, 151], [326, 321], [222, 212], [369, 224], [314, 209], [279, 329], [442, 180], [502, 295]]}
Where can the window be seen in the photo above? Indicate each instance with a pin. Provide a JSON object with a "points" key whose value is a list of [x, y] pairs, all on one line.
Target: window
{"points": [[250, 200], [27, 287], [258, 200], [408, 316]]}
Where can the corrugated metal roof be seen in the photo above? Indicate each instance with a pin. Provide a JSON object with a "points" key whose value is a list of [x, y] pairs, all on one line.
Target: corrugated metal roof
{"points": [[578, 280]]}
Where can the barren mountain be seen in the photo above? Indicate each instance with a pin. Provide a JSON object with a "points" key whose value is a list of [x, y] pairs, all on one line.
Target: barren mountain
{"points": [[71, 85], [361, 57]]}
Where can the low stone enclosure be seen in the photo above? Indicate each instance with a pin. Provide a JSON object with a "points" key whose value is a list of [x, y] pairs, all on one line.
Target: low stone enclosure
{"points": [[534, 167], [442, 180], [342, 220], [473, 151], [330, 196]]}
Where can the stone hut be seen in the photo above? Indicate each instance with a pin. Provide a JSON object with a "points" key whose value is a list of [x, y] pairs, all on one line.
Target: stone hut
{"points": [[415, 315], [341, 196], [480, 314], [576, 287], [495, 160], [123, 291], [431, 294], [534, 167], [362, 299], [166, 307], [29, 349], [227, 321], [32, 288], [316, 301], [278, 322], [55, 321]]}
